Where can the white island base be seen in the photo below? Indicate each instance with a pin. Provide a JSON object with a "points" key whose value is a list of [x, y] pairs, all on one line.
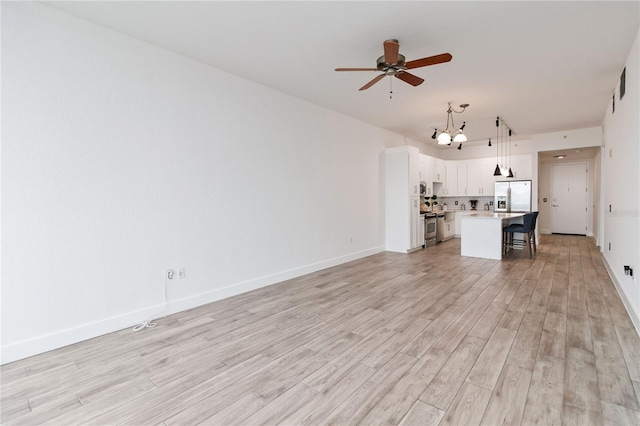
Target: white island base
{"points": [[481, 234]]}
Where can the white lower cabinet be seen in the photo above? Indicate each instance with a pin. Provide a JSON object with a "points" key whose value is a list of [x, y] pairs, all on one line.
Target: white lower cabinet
{"points": [[458, 221], [446, 230], [416, 231]]}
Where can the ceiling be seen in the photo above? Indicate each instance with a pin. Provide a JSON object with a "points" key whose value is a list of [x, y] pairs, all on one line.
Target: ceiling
{"points": [[541, 66]]}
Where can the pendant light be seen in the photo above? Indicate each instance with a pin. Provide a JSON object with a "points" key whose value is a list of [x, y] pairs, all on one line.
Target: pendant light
{"points": [[497, 171], [510, 171], [504, 166], [503, 149]]}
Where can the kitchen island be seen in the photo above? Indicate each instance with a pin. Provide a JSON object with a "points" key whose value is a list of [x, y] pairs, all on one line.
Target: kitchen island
{"points": [[481, 233]]}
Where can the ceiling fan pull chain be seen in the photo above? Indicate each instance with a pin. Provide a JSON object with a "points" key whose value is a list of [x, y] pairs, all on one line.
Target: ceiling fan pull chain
{"points": [[390, 88]]}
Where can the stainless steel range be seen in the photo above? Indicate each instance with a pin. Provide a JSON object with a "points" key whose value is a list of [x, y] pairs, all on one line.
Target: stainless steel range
{"points": [[430, 229]]}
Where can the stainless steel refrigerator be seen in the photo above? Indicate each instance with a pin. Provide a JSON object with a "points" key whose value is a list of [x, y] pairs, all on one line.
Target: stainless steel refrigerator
{"points": [[513, 196]]}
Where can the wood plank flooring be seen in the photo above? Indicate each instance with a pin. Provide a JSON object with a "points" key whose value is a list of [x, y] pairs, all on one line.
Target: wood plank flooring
{"points": [[420, 339]]}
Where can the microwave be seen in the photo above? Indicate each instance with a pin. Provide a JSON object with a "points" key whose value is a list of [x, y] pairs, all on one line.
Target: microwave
{"points": [[423, 188]]}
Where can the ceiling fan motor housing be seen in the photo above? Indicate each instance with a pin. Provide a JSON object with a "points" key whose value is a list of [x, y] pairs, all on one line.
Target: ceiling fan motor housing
{"points": [[388, 68]]}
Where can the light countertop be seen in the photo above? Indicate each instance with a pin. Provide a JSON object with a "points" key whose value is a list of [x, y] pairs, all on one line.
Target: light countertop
{"points": [[491, 215]]}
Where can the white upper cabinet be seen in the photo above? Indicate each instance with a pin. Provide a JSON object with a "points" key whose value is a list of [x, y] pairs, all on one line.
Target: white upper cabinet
{"points": [[521, 167], [450, 184], [462, 180], [480, 179], [474, 178], [414, 174], [427, 171], [439, 170]]}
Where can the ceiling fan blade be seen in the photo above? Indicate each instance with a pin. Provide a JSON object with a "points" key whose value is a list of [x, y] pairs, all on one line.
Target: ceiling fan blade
{"points": [[356, 69], [413, 80], [372, 82], [431, 60], [391, 48]]}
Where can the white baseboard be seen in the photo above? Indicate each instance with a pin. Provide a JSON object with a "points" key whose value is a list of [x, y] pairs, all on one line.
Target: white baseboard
{"points": [[627, 303], [29, 347], [47, 342], [548, 231]]}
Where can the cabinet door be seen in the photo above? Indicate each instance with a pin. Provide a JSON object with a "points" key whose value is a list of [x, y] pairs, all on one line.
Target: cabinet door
{"points": [[488, 179], [428, 173], [414, 209], [462, 180], [474, 181], [451, 180], [521, 167], [480, 177], [414, 175], [423, 167], [420, 234], [439, 171]]}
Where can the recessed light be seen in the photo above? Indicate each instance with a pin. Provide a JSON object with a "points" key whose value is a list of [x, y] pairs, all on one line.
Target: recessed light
{"points": [[559, 157]]}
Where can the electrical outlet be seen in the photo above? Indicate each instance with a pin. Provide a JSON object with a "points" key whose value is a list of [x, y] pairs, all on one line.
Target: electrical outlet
{"points": [[628, 270], [181, 273]]}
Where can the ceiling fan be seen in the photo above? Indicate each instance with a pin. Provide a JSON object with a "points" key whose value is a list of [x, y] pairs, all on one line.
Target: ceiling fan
{"points": [[393, 63]]}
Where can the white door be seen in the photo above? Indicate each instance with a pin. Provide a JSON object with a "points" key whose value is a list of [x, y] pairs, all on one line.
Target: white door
{"points": [[569, 198]]}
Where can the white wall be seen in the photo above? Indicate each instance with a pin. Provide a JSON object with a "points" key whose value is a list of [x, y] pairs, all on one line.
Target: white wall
{"points": [[621, 185], [570, 139], [121, 160]]}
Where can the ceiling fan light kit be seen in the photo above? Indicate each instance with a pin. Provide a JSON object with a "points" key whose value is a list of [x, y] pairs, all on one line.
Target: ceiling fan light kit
{"points": [[394, 64]]}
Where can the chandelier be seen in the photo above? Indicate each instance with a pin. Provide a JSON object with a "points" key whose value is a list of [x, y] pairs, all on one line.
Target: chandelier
{"points": [[451, 133]]}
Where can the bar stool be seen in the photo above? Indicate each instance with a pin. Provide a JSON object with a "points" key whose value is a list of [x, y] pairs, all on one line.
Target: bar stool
{"points": [[527, 228]]}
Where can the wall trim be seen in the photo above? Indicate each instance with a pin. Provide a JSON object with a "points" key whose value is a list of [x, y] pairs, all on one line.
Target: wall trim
{"points": [[627, 304], [69, 336]]}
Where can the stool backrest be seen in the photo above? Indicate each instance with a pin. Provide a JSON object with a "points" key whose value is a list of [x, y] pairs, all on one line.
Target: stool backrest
{"points": [[529, 221], [535, 219]]}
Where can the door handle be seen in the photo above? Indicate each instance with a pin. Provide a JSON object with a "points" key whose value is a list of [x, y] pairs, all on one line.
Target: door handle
{"points": [[554, 205]]}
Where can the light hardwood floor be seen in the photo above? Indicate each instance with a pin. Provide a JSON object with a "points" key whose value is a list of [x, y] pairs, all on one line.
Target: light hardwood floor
{"points": [[420, 339]]}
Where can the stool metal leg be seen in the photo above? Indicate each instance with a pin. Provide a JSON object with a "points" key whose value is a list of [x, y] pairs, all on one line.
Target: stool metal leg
{"points": [[533, 235]]}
